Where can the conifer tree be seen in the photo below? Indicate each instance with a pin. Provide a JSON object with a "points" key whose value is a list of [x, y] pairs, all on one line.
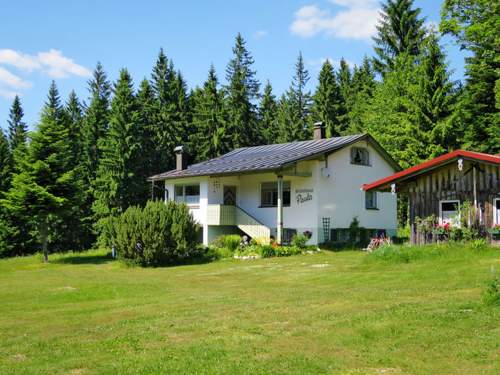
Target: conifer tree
{"points": [[268, 124], [118, 185], [145, 121], [17, 127], [43, 193], [171, 103], [362, 89], [95, 124], [209, 120], [74, 116], [388, 119], [294, 107], [400, 30], [474, 24], [5, 163], [241, 90], [433, 98], [327, 101]]}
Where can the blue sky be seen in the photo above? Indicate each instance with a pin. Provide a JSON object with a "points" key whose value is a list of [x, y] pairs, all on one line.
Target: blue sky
{"points": [[63, 40]]}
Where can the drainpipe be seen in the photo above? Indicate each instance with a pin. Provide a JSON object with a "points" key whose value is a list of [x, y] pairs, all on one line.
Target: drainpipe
{"points": [[474, 191], [279, 228]]}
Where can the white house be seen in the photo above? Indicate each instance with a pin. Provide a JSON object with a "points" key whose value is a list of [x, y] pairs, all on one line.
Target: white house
{"points": [[274, 191]]}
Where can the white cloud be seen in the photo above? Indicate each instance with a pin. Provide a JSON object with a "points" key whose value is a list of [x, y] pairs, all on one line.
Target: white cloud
{"points": [[9, 79], [59, 66], [19, 60], [318, 63], [356, 20], [53, 63], [260, 34]]}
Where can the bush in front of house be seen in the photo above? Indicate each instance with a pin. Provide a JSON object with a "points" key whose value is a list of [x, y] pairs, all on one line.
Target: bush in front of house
{"points": [[158, 234]]}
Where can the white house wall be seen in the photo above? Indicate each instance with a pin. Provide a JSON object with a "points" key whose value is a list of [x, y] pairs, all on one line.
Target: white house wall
{"points": [[337, 197]]}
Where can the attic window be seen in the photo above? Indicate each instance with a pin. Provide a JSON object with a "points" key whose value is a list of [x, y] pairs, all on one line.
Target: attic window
{"points": [[360, 156]]}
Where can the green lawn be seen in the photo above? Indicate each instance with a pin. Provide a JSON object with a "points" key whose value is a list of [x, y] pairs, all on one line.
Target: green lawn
{"points": [[325, 313]]}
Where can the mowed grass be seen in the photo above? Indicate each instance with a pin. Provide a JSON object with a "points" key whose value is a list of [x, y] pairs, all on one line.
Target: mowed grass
{"points": [[344, 312]]}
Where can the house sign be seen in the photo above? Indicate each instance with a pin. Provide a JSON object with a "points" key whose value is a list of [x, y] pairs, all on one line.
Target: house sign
{"points": [[303, 195]]}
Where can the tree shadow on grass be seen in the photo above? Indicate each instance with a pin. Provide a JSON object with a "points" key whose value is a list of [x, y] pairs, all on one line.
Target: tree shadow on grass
{"points": [[84, 259]]}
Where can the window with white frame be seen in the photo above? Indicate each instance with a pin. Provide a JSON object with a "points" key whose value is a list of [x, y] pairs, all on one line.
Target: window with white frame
{"points": [[449, 212], [269, 194], [189, 194], [371, 200], [496, 211], [360, 156]]}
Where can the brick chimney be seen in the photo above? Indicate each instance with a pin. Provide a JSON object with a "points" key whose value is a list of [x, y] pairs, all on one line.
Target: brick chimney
{"points": [[181, 158], [319, 131]]}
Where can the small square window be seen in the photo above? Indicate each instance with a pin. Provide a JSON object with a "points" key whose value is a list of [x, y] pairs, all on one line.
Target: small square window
{"points": [[269, 194], [449, 212], [371, 200], [360, 156]]}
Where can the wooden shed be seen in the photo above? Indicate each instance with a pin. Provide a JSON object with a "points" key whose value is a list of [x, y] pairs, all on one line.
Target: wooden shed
{"points": [[440, 186]]}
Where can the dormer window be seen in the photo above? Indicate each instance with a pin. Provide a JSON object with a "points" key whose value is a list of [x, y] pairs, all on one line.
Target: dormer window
{"points": [[360, 156]]}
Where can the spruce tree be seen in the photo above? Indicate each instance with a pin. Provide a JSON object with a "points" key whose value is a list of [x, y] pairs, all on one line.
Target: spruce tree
{"points": [[241, 90], [268, 124], [17, 127], [388, 117], [432, 98], [210, 138], [474, 24], [294, 107], [362, 90], [74, 117], [95, 123], [400, 30], [145, 120], [118, 185], [43, 194], [327, 101], [5, 163], [170, 97]]}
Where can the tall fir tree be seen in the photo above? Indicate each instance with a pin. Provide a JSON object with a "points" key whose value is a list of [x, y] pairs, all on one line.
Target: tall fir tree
{"points": [[17, 127], [327, 101], [362, 90], [95, 123], [241, 90], [74, 117], [400, 30], [43, 194], [388, 119], [268, 123], [210, 137], [474, 24], [294, 107], [170, 117], [145, 120], [5, 163], [118, 184], [433, 99]]}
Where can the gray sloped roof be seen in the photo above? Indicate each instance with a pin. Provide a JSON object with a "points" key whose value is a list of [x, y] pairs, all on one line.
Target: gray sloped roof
{"points": [[263, 158]]}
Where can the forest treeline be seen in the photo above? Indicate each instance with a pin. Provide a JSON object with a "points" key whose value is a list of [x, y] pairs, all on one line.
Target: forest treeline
{"points": [[89, 160]]}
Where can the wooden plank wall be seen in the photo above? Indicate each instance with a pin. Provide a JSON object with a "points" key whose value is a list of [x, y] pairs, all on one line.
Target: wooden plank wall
{"points": [[448, 183]]}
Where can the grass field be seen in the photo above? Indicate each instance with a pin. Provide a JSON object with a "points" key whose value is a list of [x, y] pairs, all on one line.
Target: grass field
{"points": [[343, 312]]}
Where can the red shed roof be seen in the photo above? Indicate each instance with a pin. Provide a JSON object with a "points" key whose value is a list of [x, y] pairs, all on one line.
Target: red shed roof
{"points": [[443, 159]]}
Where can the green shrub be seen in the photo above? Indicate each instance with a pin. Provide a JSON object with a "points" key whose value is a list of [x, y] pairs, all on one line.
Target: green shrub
{"points": [[230, 241], [266, 251], [160, 233], [491, 295], [299, 241]]}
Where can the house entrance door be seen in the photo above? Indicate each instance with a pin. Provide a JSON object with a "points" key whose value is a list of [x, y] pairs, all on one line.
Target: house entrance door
{"points": [[230, 195]]}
